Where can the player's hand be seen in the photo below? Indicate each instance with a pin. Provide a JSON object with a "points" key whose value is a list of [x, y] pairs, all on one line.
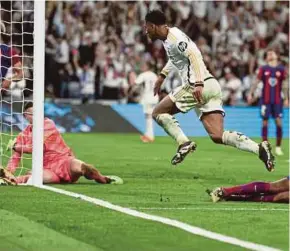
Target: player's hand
{"points": [[286, 103], [197, 93], [157, 85], [10, 144], [7, 176]]}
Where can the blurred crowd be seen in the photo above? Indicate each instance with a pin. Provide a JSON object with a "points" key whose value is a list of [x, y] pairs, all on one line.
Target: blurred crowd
{"points": [[16, 20], [94, 50]]}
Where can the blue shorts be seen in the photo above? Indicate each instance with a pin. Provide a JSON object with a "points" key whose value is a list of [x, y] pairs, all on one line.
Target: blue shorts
{"points": [[288, 177], [273, 110]]}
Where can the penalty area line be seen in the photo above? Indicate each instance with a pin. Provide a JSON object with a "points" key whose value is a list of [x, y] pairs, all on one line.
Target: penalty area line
{"points": [[171, 222]]}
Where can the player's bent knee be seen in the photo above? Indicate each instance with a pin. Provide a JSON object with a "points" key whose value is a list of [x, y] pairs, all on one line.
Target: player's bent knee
{"points": [[76, 166], [156, 113], [86, 167], [87, 170]]}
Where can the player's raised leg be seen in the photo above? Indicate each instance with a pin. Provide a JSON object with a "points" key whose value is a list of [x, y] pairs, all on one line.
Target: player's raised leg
{"points": [[213, 122], [163, 115], [78, 168]]}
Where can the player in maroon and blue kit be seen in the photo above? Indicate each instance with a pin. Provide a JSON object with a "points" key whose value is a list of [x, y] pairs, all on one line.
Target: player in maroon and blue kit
{"points": [[258, 191], [272, 75], [10, 65]]}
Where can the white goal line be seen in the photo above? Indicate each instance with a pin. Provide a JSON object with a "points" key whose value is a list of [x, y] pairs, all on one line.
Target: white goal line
{"points": [[171, 222], [213, 209]]}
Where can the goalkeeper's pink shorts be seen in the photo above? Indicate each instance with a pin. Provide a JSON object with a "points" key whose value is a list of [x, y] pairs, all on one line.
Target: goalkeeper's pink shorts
{"points": [[61, 168]]}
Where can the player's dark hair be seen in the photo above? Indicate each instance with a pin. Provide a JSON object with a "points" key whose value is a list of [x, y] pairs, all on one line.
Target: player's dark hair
{"points": [[156, 17], [271, 49], [28, 105]]}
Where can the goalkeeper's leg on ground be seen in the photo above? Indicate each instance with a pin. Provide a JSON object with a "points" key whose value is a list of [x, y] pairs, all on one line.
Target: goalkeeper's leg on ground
{"points": [[67, 170]]}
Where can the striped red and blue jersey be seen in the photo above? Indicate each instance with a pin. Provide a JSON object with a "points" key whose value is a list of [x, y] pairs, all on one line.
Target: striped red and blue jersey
{"points": [[272, 78], [8, 58]]}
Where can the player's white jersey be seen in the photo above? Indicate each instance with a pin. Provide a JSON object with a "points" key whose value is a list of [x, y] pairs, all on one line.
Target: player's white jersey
{"points": [[172, 81], [184, 55], [147, 80]]}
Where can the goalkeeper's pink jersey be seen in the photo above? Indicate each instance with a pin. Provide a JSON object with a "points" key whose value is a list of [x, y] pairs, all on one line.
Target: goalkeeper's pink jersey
{"points": [[54, 148]]}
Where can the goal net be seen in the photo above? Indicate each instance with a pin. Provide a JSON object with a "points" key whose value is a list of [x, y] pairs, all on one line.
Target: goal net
{"points": [[21, 69]]}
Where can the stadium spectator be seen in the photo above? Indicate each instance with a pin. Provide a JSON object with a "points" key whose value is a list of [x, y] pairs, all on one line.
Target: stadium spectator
{"points": [[231, 88], [230, 34]]}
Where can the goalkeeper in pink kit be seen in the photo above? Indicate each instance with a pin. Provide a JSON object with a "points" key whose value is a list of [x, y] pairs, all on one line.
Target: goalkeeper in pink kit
{"points": [[59, 163]]}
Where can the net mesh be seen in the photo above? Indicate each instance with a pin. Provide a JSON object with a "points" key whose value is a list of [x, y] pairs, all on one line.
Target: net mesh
{"points": [[16, 62]]}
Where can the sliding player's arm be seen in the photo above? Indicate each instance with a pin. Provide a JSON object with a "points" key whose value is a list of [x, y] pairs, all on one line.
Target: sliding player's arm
{"points": [[22, 144], [162, 75], [254, 86], [195, 63], [13, 162], [18, 145]]}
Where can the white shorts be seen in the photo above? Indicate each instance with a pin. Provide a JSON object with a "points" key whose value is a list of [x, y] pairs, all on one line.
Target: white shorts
{"points": [[148, 108], [211, 95]]}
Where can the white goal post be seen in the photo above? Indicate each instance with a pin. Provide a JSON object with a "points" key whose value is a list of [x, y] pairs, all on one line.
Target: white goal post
{"points": [[38, 92], [22, 39]]}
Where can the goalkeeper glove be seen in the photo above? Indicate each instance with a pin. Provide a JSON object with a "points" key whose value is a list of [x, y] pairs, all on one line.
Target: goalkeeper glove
{"points": [[10, 144], [7, 176]]}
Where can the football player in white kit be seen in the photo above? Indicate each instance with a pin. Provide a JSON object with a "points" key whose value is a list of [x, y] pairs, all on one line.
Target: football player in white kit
{"points": [[146, 81], [200, 90]]}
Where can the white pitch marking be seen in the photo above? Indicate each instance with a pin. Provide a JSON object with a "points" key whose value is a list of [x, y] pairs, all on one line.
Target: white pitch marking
{"points": [[171, 222], [212, 209]]}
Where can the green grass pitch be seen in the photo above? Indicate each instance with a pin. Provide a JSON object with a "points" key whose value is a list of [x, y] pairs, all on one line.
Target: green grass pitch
{"points": [[33, 219]]}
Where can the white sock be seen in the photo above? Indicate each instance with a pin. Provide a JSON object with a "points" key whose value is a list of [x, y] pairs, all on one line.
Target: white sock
{"points": [[240, 141], [149, 126], [171, 126]]}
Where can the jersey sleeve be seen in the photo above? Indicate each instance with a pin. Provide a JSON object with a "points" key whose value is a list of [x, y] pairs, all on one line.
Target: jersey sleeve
{"points": [[194, 56], [23, 142], [140, 79], [49, 129], [260, 73], [167, 68], [13, 162]]}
